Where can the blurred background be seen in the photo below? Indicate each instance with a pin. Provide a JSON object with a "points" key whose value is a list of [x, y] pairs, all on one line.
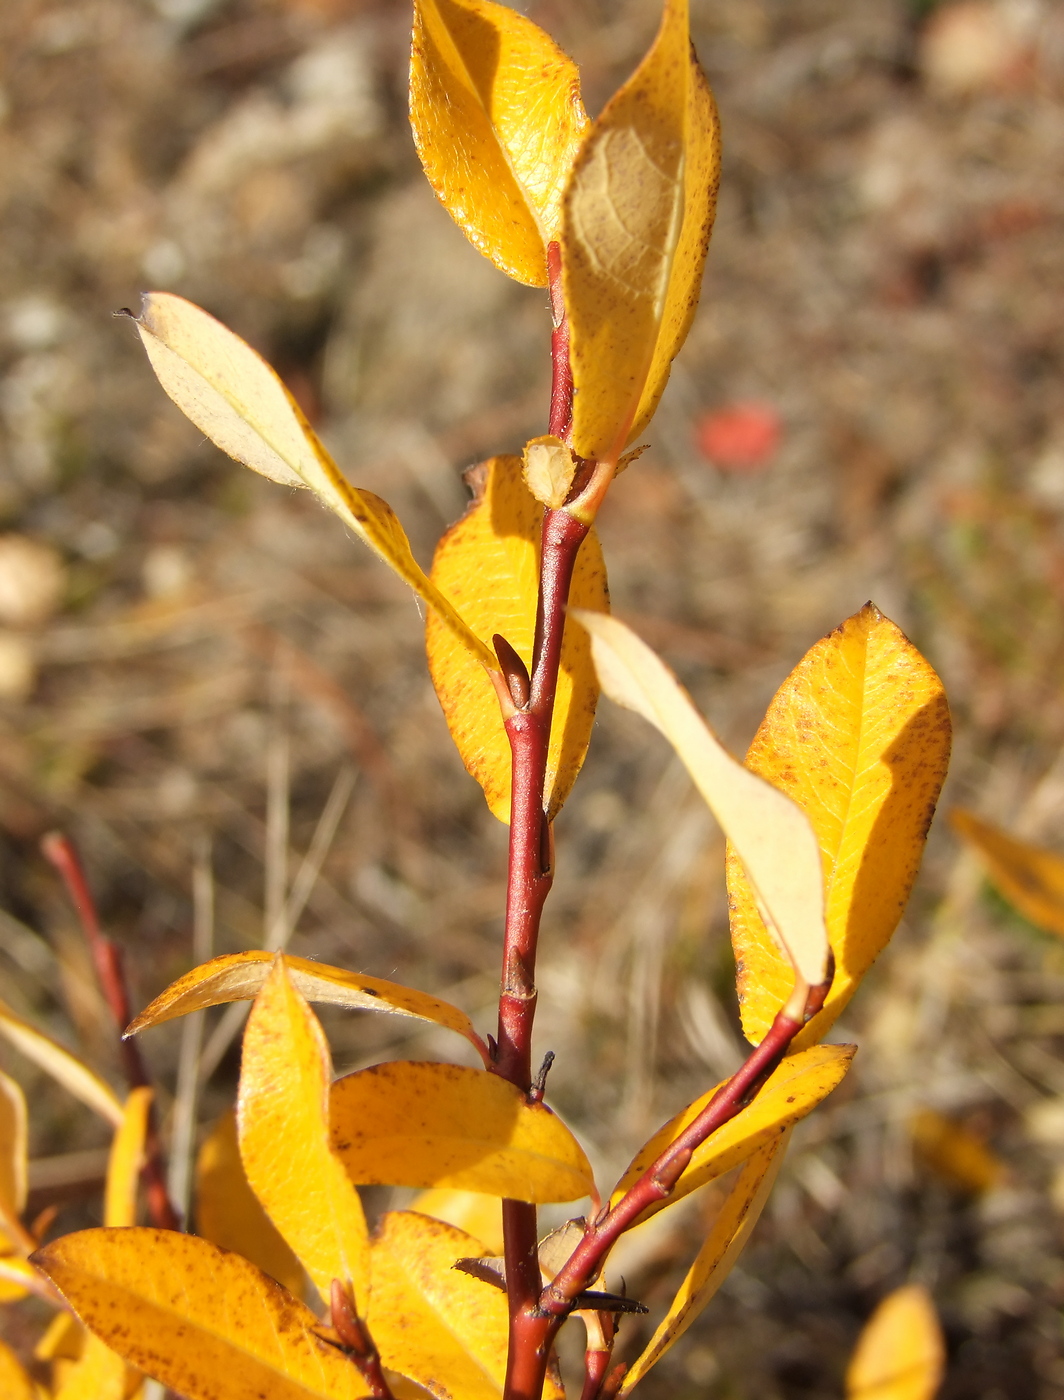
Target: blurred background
{"points": [[196, 664]]}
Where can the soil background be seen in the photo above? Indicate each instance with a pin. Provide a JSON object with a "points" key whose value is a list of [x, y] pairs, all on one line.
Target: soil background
{"points": [[192, 658]]}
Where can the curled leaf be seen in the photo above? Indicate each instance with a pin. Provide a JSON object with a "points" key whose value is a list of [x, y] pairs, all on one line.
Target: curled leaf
{"points": [[791, 1091], [412, 1123], [498, 539], [229, 1214], [1030, 877], [233, 396], [726, 1240], [859, 736], [497, 119], [204, 1322], [65, 1068], [126, 1159], [283, 1129], [900, 1355], [241, 976], [637, 215], [549, 468], [769, 831]]}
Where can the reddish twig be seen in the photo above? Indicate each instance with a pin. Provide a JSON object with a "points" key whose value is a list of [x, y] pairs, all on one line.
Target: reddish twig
{"points": [[597, 1357], [561, 392], [356, 1341], [59, 850]]}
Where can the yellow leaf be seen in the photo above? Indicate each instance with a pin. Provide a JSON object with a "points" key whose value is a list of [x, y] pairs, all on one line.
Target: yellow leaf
{"points": [[790, 1092], [954, 1153], [858, 734], [63, 1340], [418, 1124], [440, 1327], [771, 833], [549, 468], [124, 1164], [15, 1384], [637, 215], [283, 1128], [233, 396], [64, 1067], [13, 1150], [228, 1212], [100, 1374], [497, 119], [204, 1322], [900, 1354], [1030, 877], [478, 1215], [499, 540], [240, 977], [17, 1278], [726, 1240]]}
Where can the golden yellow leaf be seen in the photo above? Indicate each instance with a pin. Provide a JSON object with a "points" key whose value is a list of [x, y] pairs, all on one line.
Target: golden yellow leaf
{"points": [[726, 1240], [240, 977], [126, 1159], [790, 1092], [283, 1129], [99, 1374], [954, 1153], [478, 1215], [228, 1212], [203, 1321], [15, 1384], [1030, 877], [63, 1339], [497, 119], [637, 215], [498, 539], [233, 396], [859, 735], [772, 834], [13, 1148], [65, 1068], [900, 1354], [418, 1124], [440, 1327]]}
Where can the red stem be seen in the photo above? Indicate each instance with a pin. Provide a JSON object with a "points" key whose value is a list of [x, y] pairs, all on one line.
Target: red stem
{"points": [[59, 850], [357, 1342], [561, 392]]}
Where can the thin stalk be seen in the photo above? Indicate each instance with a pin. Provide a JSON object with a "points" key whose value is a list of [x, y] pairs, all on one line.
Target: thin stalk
{"points": [[59, 850], [186, 1096]]}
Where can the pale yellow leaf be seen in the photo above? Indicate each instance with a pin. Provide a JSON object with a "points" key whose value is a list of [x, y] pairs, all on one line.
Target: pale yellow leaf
{"points": [[240, 977], [900, 1355], [126, 1160], [431, 1322], [1030, 877], [478, 1215], [15, 1383], [418, 1124], [283, 1129], [549, 468], [726, 1240], [64, 1067], [497, 119], [99, 1374], [637, 214], [791, 1091], [498, 540], [203, 1321], [772, 835], [228, 1212], [859, 736], [232, 395]]}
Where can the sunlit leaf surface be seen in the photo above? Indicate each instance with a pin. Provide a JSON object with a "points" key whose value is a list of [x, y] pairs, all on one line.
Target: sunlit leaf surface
{"points": [[1030, 877], [497, 119], [204, 1322], [773, 836], [900, 1355], [412, 1123], [232, 395], [478, 1215], [859, 736], [790, 1092], [637, 215], [283, 1129], [498, 540], [99, 1374]]}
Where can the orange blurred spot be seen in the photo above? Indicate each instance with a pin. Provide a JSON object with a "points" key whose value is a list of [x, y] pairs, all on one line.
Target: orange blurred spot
{"points": [[740, 438]]}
